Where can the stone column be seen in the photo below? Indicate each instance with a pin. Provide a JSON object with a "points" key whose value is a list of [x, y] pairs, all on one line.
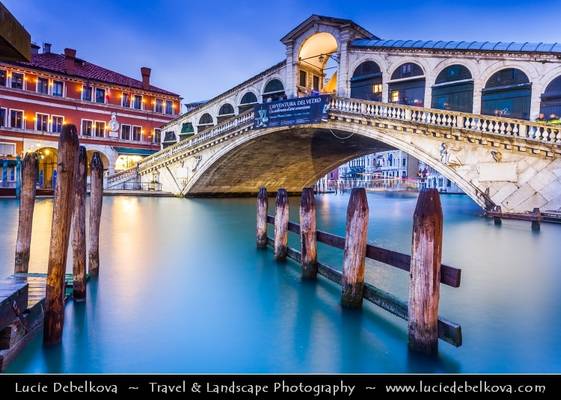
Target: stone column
{"points": [[343, 72]]}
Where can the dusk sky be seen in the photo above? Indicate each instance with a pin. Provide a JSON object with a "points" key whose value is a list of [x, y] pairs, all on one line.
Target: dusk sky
{"points": [[201, 48]]}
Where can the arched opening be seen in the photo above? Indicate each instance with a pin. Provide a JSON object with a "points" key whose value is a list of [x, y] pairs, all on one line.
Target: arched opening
{"points": [[46, 176], [551, 101], [407, 85], [366, 82], [317, 65], [225, 111], [205, 122], [507, 93], [453, 89], [274, 90], [105, 161], [248, 101]]}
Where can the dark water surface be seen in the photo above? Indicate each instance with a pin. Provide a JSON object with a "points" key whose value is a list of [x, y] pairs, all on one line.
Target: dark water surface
{"points": [[183, 289]]}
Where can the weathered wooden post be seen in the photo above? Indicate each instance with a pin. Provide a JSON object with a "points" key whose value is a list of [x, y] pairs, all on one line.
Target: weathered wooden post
{"points": [[281, 225], [26, 207], [79, 228], [60, 232], [96, 200], [424, 288], [497, 218], [262, 208], [355, 249], [537, 219], [308, 241]]}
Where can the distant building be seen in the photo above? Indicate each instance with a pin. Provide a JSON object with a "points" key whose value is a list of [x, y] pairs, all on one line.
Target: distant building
{"points": [[429, 178], [116, 115]]}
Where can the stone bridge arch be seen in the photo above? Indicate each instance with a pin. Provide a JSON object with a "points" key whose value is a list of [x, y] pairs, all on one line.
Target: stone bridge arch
{"points": [[297, 157]]}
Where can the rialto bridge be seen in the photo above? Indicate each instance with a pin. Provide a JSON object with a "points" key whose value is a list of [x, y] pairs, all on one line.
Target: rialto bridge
{"points": [[468, 109]]}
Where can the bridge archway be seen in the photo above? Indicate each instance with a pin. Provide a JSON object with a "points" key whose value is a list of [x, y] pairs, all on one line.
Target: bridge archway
{"points": [[205, 121], [507, 93], [407, 85], [551, 100], [453, 89], [317, 64], [299, 157], [366, 82], [225, 111], [247, 101]]}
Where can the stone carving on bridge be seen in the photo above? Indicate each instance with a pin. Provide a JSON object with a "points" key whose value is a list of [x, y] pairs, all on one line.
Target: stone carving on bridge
{"points": [[197, 163], [497, 155], [449, 155]]}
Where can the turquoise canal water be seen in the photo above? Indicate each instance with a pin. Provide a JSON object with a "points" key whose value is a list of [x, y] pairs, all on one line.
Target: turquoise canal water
{"points": [[183, 289]]}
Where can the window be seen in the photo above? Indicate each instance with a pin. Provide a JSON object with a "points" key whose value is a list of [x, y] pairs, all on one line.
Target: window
{"points": [[17, 80], [247, 102], [408, 70], [41, 122], [87, 92], [87, 127], [169, 107], [274, 90], [126, 100], [126, 132], [394, 96], [315, 82], [43, 85], [58, 88], [366, 82], [100, 95], [157, 135], [2, 117], [136, 133], [507, 93], [551, 100], [303, 78], [137, 102], [99, 129], [404, 162], [159, 108], [56, 124], [16, 119], [2, 77], [7, 149]]}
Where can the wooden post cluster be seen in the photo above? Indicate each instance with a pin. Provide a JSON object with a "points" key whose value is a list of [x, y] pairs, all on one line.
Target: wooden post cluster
{"points": [[425, 261], [26, 207], [96, 200], [79, 228], [281, 225], [262, 209], [424, 289], [60, 232], [308, 240], [355, 249]]}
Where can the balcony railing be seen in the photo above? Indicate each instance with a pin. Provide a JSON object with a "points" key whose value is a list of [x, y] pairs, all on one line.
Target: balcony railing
{"points": [[453, 119]]}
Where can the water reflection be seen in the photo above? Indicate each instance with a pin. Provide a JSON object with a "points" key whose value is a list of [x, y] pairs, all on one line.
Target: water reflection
{"points": [[183, 289]]}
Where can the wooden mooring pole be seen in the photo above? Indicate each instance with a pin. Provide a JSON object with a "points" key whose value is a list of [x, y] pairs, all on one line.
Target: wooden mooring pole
{"points": [[262, 209], [281, 225], [355, 249], [26, 207], [60, 232], [424, 289], [79, 228], [308, 240], [96, 201], [537, 219]]}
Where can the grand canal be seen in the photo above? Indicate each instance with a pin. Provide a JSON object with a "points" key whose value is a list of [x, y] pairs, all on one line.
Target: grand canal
{"points": [[182, 288]]}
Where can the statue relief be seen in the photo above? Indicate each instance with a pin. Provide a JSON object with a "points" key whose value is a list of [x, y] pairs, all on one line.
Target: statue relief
{"points": [[450, 155]]}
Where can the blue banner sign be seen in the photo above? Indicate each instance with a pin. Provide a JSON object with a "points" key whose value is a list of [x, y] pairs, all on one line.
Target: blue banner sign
{"points": [[297, 111]]}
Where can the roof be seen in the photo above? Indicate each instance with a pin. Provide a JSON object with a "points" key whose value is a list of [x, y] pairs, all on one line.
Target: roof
{"points": [[314, 18], [53, 62], [508, 47]]}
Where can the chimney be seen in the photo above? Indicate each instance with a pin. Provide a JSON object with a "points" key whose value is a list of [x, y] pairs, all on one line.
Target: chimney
{"points": [[69, 58], [35, 48], [145, 72], [46, 48]]}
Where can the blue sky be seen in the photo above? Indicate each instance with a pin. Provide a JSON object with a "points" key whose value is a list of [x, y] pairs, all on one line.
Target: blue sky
{"points": [[201, 48]]}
